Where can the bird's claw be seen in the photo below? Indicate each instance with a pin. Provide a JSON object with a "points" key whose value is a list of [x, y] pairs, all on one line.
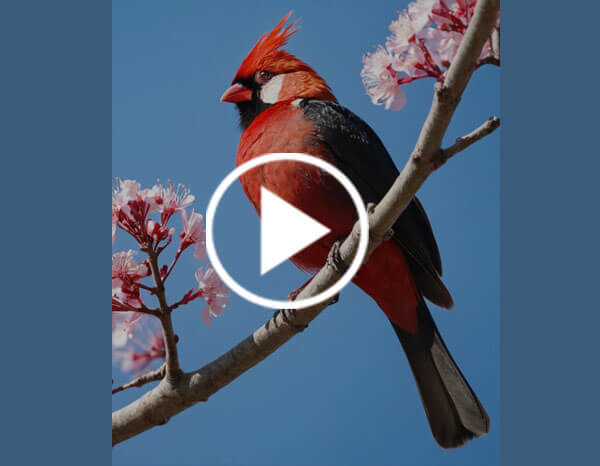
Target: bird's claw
{"points": [[284, 312], [287, 320], [334, 258]]}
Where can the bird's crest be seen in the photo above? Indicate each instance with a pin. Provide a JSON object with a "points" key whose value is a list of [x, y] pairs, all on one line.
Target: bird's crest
{"points": [[267, 48]]}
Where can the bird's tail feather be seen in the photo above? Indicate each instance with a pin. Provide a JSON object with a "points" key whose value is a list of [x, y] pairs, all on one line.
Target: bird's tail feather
{"points": [[455, 414]]}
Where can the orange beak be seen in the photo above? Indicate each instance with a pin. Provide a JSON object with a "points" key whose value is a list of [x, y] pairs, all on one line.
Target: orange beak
{"points": [[237, 93]]}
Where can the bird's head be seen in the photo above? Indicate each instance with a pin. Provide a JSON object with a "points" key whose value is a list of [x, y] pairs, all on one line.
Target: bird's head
{"points": [[269, 75]]}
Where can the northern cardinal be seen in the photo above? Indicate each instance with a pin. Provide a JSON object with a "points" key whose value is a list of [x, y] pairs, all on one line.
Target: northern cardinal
{"points": [[285, 106]]}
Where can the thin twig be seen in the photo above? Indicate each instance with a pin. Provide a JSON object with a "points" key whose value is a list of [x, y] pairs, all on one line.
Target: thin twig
{"points": [[175, 259], [173, 370], [152, 376], [146, 287], [488, 127]]}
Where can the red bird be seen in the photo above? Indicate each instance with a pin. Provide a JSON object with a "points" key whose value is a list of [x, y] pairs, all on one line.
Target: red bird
{"points": [[285, 106]]}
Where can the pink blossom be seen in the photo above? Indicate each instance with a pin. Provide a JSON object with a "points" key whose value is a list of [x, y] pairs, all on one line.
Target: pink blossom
{"points": [[123, 301], [454, 16], [409, 25], [425, 39], [126, 191], [122, 327], [123, 264], [145, 345], [442, 45], [420, 13], [159, 232], [119, 335], [410, 41], [403, 34], [130, 208], [132, 205], [452, 19], [193, 233], [125, 274], [168, 200], [213, 290], [381, 81], [125, 268]]}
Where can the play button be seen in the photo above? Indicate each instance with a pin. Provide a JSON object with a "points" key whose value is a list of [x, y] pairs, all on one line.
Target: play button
{"points": [[284, 230]]}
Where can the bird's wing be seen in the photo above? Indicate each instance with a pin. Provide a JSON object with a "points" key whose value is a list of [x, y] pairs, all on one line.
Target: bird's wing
{"points": [[361, 155]]}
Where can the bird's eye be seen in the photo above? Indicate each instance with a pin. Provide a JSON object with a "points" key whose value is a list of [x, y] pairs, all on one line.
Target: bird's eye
{"points": [[263, 76]]}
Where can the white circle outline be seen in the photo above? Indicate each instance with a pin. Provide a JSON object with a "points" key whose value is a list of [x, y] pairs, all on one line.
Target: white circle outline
{"points": [[273, 303]]}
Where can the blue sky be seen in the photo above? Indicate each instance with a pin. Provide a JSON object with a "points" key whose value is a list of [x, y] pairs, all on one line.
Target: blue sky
{"points": [[341, 392]]}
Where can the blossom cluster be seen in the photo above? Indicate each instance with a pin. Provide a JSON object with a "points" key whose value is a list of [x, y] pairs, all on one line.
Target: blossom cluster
{"points": [[131, 206], [423, 42], [135, 351], [145, 215]]}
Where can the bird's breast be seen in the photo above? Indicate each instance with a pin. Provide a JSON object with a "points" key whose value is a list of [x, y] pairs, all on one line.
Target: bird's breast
{"points": [[283, 128]]}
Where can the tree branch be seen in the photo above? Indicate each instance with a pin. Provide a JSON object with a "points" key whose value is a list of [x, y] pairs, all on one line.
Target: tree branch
{"points": [[173, 371], [495, 38], [488, 127], [152, 376], [166, 400]]}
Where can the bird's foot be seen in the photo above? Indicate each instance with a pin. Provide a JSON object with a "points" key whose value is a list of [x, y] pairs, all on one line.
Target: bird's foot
{"points": [[294, 294], [285, 316], [334, 258], [285, 313]]}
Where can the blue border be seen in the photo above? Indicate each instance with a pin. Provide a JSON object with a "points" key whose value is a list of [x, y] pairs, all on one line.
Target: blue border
{"points": [[550, 232], [56, 144]]}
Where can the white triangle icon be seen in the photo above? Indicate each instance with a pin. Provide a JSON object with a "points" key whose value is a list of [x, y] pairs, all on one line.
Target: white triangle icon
{"points": [[284, 230]]}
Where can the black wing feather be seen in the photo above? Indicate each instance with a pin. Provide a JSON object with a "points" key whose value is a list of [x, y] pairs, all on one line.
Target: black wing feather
{"points": [[364, 159]]}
